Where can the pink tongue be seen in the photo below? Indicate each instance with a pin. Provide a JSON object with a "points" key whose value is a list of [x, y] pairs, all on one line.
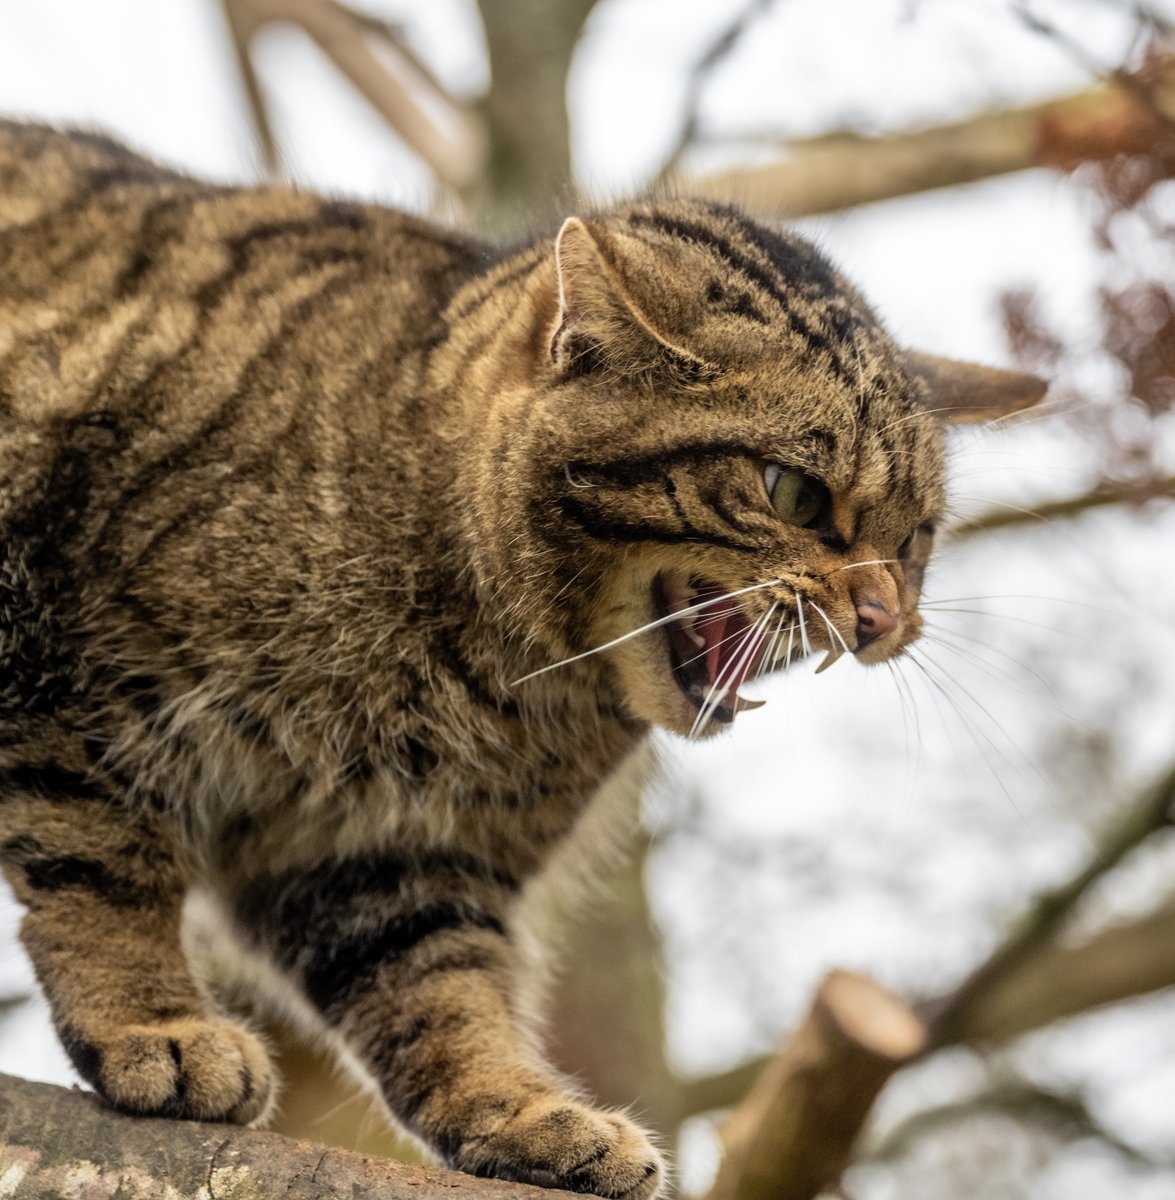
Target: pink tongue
{"points": [[723, 627]]}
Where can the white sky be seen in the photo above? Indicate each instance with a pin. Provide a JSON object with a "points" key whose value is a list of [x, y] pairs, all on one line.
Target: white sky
{"points": [[929, 848]]}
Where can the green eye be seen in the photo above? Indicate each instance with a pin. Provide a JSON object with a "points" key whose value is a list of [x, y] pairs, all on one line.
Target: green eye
{"points": [[796, 497]]}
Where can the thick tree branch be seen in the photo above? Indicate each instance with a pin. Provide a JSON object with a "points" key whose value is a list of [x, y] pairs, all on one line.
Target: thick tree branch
{"points": [[838, 171], [794, 1132], [56, 1142], [530, 44]]}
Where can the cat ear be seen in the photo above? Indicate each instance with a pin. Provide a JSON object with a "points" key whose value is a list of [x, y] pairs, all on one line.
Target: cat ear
{"points": [[963, 392], [600, 323]]}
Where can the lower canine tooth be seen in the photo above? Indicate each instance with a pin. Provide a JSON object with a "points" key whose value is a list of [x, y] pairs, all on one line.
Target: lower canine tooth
{"points": [[829, 659]]}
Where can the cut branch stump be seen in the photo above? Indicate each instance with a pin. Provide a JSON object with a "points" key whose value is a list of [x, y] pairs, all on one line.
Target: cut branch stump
{"points": [[793, 1134]]}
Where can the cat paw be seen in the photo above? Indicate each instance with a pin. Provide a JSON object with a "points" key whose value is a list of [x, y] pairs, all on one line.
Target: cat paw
{"points": [[562, 1144], [203, 1070]]}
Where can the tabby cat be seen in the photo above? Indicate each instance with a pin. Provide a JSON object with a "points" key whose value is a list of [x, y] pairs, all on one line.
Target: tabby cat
{"points": [[302, 500]]}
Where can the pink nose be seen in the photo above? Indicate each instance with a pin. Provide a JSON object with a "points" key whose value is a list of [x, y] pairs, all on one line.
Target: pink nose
{"points": [[874, 620]]}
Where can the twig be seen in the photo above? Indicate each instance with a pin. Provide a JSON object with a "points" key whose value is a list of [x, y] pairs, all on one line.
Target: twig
{"points": [[699, 77], [1131, 81], [1065, 1114]]}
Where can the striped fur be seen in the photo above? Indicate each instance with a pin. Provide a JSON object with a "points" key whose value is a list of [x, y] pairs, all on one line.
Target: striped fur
{"points": [[292, 491]]}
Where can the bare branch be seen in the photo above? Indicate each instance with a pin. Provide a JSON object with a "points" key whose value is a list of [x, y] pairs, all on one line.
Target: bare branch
{"points": [[1065, 1115], [955, 1017], [436, 126], [699, 76], [56, 1142], [794, 1132], [841, 170], [723, 1090], [1105, 496], [1131, 959]]}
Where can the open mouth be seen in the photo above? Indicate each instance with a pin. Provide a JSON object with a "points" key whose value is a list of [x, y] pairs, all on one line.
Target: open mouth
{"points": [[710, 652]]}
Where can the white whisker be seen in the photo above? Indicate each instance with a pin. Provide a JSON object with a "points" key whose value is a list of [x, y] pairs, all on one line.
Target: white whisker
{"points": [[868, 562], [831, 627], [624, 637], [803, 624]]}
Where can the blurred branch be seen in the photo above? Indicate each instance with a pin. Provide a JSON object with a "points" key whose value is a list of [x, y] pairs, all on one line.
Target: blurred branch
{"points": [[58, 1141], [697, 80], [1135, 82], [840, 170], [1067, 1116], [959, 1016], [795, 1130], [433, 124], [998, 518], [1131, 959], [709, 1093]]}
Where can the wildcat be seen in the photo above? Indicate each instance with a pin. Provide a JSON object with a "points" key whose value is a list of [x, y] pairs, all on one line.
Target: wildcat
{"points": [[299, 500]]}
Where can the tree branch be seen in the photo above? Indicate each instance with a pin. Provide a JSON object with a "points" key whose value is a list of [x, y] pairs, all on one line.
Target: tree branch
{"points": [[841, 170], [956, 1017], [56, 1142], [699, 76], [795, 1130], [408, 97], [1067, 1116], [1136, 494], [1131, 959]]}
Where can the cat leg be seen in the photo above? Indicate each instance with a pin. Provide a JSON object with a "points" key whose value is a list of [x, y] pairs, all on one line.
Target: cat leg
{"points": [[411, 962], [103, 897]]}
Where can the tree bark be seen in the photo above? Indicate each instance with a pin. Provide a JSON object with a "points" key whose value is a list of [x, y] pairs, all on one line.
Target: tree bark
{"points": [[530, 44], [56, 1143]]}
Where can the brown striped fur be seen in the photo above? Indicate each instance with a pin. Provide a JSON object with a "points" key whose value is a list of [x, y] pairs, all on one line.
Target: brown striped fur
{"points": [[292, 491]]}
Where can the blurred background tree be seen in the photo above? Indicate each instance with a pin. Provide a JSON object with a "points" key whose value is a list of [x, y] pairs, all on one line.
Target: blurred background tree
{"points": [[906, 826]]}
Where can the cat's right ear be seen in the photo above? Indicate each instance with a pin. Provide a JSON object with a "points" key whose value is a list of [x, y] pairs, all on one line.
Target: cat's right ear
{"points": [[965, 393], [599, 323]]}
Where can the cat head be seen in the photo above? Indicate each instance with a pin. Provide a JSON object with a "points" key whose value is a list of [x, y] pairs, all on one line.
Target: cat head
{"points": [[716, 437]]}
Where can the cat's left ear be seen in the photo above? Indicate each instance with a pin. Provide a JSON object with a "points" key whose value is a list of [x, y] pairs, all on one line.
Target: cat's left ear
{"points": [[599, 320], [965, 393]]}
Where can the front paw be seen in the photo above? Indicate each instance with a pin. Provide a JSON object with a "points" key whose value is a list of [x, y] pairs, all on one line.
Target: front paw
{"points": [[562, 1144], [207, 1070]]}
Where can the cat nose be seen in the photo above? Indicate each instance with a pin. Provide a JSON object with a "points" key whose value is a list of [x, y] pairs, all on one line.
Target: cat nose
{"points": [[874, 620]]}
